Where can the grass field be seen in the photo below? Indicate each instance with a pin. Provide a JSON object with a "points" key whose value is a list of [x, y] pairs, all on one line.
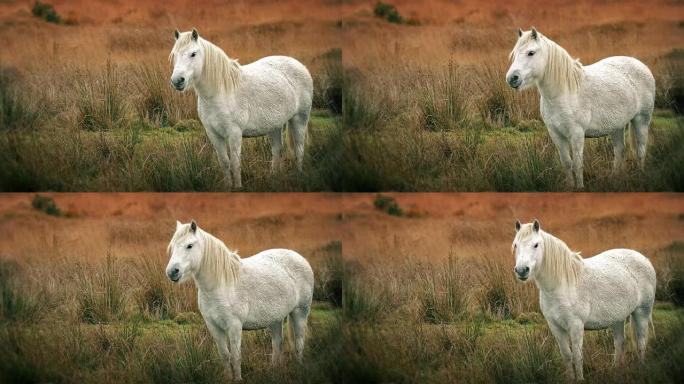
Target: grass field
{"points": [[73, 310], [417, 103], [434, 299], [430, 109], [409, 287], [86, 104]]}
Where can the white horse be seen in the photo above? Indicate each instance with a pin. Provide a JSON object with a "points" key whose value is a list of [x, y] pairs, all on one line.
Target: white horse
{"points": [[235, 294], [577, 294], [584, 101], [236, 101]]}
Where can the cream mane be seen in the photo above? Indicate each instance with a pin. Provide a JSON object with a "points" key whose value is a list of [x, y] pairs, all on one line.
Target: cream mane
{"points": [[559, 263], [218, 262], [561, 69], [220, 71]]}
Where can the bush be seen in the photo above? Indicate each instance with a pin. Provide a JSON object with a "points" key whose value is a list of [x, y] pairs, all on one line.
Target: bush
{"points": [[46, 11], [388, 12], [46, 204], [388, 204]]}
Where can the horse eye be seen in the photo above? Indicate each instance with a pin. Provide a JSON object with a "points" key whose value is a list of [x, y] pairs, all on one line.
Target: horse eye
{"points": [[188, 246], [530, 53], [193, 54], [536, 245]]}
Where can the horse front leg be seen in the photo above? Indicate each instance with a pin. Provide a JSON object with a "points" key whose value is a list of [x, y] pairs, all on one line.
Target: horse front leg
{"points": [[221, 149], [577, 340], [235, 148], [563, 340], [221, 341], [563, 147], [235, 337], [577, 145]]}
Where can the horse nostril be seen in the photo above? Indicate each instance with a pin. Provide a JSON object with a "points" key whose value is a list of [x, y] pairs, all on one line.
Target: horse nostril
{"points": [[527, 269], [181, 80], [175, 271]]}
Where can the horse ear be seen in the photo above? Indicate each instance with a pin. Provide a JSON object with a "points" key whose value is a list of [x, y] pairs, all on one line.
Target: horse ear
{"points": [[534, 33], [195, 34], [193, 226], [520, 31], [176, 33], [517, 225], [536, 225], [178, 224]]}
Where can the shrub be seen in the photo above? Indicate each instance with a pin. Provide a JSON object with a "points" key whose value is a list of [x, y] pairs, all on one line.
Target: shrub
{"points": [[46, 204], [388, 12], [388, 204], [46, 11]]}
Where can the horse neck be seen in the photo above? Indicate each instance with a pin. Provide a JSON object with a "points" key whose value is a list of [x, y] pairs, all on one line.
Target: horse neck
{"points": [[206, 283], [551, 284], [548, 89], [208, 90]]}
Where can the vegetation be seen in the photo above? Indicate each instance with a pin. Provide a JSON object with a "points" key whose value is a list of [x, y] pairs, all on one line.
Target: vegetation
{"points": [[46, 11]]}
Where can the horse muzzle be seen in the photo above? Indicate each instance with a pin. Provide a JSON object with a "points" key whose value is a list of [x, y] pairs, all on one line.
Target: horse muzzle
{"points": [[179, 83], [522, 273], [174, 274], [514, 81]]}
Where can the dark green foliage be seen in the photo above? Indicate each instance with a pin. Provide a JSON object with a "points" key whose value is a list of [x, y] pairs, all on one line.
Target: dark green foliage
{"points": [[46, 204], [388, 12], [388, 204], [46, 11]]}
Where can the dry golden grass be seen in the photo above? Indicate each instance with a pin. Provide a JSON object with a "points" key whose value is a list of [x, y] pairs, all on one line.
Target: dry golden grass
{"points": [[425, 293], [407, 80]]}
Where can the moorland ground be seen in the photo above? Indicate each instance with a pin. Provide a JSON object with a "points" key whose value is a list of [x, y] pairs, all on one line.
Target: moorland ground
{"points": [[414, 100], [426, 97], [410, 287], [86, 103]]}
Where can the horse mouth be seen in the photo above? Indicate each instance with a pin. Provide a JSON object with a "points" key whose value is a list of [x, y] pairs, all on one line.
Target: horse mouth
{"points": [[523, 278], [177, 279]]}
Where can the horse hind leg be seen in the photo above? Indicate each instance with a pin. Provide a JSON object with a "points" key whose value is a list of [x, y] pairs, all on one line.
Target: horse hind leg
{"points": [[640, 127], [640, 319], [618, 342], [277, 342], [276, 150], [298, 320], [618, 150], [298, 132]]}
